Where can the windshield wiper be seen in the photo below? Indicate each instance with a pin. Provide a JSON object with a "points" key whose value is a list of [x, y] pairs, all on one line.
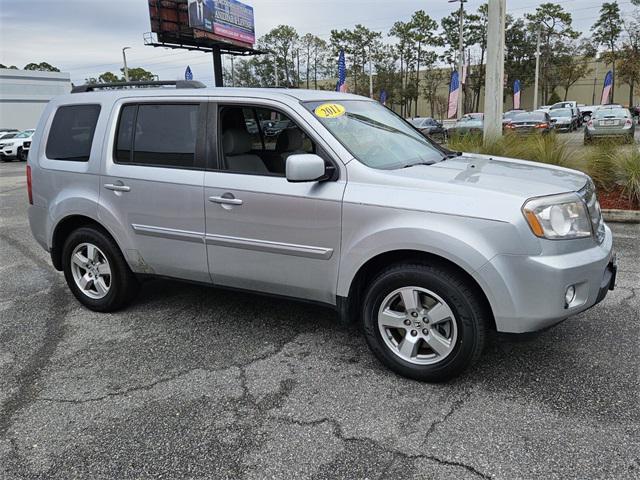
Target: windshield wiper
{"points": [[420, 163]]}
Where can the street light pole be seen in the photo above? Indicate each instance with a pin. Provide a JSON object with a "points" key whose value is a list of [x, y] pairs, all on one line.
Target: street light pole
{"points": [[126, 68], [275, 67], [460, 54], [537, 77]]}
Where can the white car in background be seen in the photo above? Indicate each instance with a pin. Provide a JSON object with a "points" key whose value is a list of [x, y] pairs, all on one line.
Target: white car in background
{"points": [[16, 147]]}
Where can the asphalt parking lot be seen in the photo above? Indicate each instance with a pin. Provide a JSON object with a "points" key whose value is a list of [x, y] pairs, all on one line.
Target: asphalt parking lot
{"points": [[191, 382]]}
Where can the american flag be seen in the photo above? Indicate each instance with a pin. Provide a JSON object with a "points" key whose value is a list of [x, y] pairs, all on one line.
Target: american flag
{"points": [[454, 91], [516, 95], [188, 74], [341, 86], [606, 91]]}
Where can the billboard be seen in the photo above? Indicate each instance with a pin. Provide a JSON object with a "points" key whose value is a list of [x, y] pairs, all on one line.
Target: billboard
{"points": [[229, 19]]}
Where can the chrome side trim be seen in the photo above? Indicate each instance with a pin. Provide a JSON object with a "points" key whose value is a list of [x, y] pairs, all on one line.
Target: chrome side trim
{"points": [[270, 247], [170, 233]]}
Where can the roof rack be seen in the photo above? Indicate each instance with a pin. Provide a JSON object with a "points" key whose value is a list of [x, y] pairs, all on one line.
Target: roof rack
{"points": [[90, 87]]}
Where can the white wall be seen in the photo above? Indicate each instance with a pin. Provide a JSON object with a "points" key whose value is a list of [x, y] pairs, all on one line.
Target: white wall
{"points": [[24, 94]]}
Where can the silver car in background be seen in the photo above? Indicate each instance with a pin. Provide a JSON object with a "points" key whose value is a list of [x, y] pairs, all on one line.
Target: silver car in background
{"points": [[349, 207], [610, 122]]}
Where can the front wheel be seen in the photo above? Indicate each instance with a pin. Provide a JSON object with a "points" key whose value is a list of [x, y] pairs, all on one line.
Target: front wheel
{"points": [[22, 155], [424, 322], [96, 272]]}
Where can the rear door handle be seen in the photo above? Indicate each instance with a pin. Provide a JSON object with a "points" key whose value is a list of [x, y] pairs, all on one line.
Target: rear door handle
{"points": [[226, 200], [117, 188]]}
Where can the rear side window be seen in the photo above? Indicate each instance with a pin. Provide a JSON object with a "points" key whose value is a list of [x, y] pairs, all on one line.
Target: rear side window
{"points": [[158, 135], [71, 133]]}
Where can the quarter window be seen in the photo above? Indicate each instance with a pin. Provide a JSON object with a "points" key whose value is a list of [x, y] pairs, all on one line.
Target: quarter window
{"points": [[158, 135], [71, 133]]}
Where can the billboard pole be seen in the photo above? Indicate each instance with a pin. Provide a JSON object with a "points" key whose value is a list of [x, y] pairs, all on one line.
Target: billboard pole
{"points": [[217, 67]]}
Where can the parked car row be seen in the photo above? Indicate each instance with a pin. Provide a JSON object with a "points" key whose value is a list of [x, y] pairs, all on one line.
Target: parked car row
{"points": [[15, 144], [601, 121]]}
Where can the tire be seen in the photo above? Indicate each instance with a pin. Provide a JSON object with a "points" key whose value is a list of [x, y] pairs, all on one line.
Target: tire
{"points": [[120, 283], [437, 286], [22, 157]]}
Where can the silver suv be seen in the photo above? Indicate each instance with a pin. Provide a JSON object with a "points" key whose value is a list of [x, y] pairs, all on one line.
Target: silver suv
{"points": [[343, 203]]}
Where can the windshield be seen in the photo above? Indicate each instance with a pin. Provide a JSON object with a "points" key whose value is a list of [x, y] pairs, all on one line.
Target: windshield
{"points": [[560, 113], [374, 134], [24, 134], [529, 117], [511, 114], [418, 122], [612, 112]]}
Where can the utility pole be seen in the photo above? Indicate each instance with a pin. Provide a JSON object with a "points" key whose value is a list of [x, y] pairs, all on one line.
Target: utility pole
{"points": [[460, 54], [537, 79], [126, 68], [493, 99], [370, 75]]}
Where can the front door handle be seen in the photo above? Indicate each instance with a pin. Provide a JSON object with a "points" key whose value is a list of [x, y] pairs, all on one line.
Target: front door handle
{"points": [[226, 200], [117, 188]]}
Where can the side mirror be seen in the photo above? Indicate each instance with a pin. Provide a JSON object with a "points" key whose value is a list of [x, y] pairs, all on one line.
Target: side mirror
{"points": [[305, 167]]}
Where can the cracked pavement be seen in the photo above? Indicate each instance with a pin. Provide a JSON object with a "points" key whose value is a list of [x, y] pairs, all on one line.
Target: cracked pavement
{"points": [[191, 382]]}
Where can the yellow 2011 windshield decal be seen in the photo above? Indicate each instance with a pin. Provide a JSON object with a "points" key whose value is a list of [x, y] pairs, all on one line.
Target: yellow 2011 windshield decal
{"points": [[330, 110]]}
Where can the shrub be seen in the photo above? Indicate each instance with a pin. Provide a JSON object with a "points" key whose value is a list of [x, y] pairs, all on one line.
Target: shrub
{"points": [[629, 175], [601, 165]]}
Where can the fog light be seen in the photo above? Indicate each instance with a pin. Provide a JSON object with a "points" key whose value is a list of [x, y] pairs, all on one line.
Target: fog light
{"points": [[569, 296]]}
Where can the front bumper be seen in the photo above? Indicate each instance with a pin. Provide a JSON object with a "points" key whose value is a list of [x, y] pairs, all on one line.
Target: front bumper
{"points": [[527, 293], [9, 152]]}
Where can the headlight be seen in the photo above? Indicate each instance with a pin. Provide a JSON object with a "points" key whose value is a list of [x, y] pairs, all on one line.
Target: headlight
{"points": [[558, 217], [8, 144]]}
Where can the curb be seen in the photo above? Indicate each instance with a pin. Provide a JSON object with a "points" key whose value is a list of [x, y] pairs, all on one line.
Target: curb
{"points": [[621, 216]]}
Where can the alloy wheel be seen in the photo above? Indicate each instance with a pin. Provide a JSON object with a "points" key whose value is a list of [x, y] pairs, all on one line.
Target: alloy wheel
{"points": [[417, 325], [91, 271]]}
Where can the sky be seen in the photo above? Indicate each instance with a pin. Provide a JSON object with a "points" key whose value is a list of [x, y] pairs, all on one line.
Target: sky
{"points": [[86, 37]]}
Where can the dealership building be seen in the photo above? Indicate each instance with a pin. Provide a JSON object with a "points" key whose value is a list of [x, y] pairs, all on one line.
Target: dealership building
{"points": [[24, 95]]}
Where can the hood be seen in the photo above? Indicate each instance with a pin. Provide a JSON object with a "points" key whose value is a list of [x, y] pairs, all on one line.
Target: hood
{"points": [[519, 178]]}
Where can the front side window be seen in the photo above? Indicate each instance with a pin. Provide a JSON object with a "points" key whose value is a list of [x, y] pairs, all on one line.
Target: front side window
{"points": [[258, 140], [71, 133], [157, 135], [374, 135]]}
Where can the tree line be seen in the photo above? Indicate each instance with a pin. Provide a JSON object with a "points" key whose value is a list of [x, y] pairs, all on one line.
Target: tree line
{"points": [[414, 58]]}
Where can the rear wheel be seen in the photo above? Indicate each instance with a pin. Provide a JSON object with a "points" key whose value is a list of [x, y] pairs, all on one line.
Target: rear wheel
{"points": [[96, 272], [424, 322]]}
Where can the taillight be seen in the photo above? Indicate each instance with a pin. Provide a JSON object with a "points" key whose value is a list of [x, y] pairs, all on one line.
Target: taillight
{"points": [[542, 125], [29, 187], [628, 122]]}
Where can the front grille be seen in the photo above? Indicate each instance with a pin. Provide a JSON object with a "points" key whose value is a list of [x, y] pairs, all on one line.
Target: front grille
{"points": [[588, 194]]}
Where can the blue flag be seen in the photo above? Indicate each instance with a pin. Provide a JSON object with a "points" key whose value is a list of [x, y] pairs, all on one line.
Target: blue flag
{"points": [[188, 74], [383, 97], [341, 86]]}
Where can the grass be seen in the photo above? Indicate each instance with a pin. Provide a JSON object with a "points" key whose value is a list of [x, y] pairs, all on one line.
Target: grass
{"points": [[607, 163], [537, 148]]}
